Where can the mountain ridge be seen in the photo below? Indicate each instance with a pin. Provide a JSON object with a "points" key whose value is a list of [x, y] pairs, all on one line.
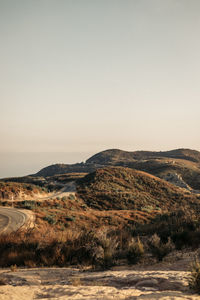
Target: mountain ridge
{"points": [[110, 155], [183, 162], [117, 156], [179, 166]]}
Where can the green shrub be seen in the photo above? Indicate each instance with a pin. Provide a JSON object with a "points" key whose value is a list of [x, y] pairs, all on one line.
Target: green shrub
{"points": [[27, 204], [71, 219], [50, 219], [71, 197], [29, 187], [58, 205]]}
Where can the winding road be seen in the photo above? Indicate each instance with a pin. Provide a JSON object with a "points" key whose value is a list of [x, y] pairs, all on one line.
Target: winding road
{"points": [[11, 219]]}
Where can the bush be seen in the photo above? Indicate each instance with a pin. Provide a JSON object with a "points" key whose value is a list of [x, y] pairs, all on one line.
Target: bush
{"points": [[71, 197], [194, 280], [104, 249], [29, 204], [71, 219], [135, 251], [182, 226], [187, 238], [158, 248], [50, 219]]}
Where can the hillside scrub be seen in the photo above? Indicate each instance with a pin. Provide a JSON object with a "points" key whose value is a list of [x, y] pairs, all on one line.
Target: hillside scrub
{"points": [[100, 248], [124, 188], [49, 247], [14, 190], [194, 279], [181, 226], [135, 251], [133, 216], [158, 248]]}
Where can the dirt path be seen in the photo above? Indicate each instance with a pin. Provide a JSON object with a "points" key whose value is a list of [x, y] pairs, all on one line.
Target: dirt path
{"points": [[66, 190], [68, 283]]}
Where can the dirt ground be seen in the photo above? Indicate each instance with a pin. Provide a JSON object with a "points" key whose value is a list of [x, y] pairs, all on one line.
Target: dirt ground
{"points": [[160, 281]]}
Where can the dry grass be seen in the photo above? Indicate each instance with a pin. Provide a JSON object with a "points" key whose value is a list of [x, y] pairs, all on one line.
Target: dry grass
{"points": [[75, 281], [158, 248], [135, 251], [38, 247], [3, 281], [101, 248], [13, 268], [9, 190], [194, 280], [48, 247]]}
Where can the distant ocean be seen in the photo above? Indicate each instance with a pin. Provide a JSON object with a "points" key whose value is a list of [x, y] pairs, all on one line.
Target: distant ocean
{"points": [[20, 164]]}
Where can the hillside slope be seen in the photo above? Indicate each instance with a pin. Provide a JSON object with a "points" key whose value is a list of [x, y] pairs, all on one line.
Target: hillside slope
{"points": [[169, 169], [181, 167], [114, 156], [14, 190], [124, 188]]}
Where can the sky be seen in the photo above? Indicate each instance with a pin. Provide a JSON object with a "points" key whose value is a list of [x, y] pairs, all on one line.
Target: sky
{"points": [[81, 76]]}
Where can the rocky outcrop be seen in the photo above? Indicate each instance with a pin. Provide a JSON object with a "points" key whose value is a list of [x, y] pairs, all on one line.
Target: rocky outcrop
{"points": [[177, 180]]}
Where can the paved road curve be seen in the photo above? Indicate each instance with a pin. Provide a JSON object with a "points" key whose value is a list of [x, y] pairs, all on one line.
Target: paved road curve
{"points": [[11, 219]]}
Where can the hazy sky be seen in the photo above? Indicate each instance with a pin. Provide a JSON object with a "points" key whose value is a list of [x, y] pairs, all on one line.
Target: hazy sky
{"points": [[87, 75]]}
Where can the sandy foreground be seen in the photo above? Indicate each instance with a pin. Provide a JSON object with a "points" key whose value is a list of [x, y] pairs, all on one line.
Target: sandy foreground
{"points": [[156, 282]]}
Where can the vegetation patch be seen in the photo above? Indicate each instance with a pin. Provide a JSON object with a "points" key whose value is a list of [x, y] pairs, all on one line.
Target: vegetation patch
{"points": [[124, 188]]}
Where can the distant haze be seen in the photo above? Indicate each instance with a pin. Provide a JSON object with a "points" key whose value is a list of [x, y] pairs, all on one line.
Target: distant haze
{"points": [[20, 164], [85, 76]]}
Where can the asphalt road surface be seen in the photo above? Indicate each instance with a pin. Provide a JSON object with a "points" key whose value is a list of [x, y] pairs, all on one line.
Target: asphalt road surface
{"points": [[11, 219]]}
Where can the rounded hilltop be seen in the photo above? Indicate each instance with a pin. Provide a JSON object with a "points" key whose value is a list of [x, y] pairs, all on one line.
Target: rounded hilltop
{"points": [[124, 188]]}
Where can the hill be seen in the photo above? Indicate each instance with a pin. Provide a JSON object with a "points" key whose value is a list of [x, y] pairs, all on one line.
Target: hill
{"points": [[124, 188], [50, 183], [180, 172], [114, 156], [67, 168], [180, 166], [14, 190]]}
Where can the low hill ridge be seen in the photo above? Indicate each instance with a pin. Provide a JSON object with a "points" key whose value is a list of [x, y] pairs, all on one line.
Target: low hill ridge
{"points": [[113, 156], [67, 168], [179, 163], [124, 188], [14, 190]]}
